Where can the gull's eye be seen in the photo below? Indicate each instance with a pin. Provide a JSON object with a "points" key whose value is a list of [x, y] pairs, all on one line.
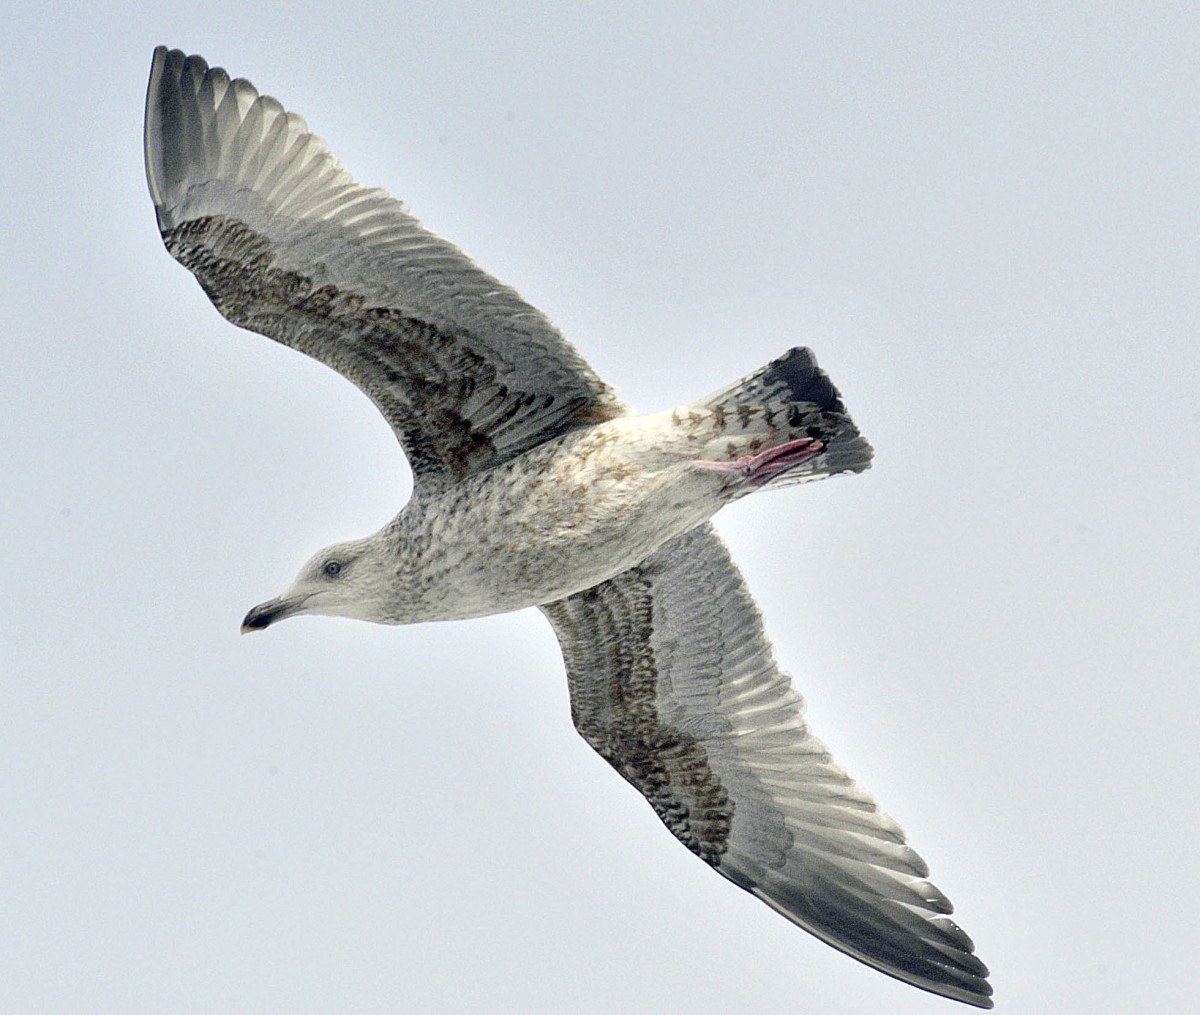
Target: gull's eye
{"points": [[331, 569]]}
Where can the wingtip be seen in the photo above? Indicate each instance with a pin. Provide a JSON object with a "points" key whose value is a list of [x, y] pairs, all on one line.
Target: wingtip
{"points": [[170, 102], [955, 973], [151, 122]]}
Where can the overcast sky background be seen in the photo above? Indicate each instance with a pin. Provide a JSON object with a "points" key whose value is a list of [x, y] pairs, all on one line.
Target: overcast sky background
{"points": [[983, 219]]}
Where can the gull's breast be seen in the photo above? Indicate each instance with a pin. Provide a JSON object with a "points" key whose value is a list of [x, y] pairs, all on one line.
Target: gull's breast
{"points": [[557, 520]]}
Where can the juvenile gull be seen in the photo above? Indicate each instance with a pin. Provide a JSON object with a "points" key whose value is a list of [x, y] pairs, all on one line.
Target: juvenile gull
{"points": [[535, 486]]}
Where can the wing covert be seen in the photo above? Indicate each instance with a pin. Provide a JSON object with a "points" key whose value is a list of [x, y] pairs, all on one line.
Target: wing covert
{"points": [[675, 684], [286, 243]]}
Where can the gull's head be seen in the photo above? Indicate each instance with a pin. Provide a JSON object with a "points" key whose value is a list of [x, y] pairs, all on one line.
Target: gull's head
{"points": [[344, 580]]}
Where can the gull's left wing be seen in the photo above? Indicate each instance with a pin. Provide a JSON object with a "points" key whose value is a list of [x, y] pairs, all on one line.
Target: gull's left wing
{"points": [[285, 243], [674, 683]]}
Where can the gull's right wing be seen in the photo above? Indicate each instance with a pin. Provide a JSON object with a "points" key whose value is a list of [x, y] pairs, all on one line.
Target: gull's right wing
{"points": [[287, 244]]}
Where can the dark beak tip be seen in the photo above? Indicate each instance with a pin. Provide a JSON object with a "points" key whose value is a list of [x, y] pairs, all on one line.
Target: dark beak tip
{"points": [[258, 619], [265, 614]]}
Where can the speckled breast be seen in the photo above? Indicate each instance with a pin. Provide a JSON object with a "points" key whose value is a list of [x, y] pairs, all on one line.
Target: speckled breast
{"points": [[559, 519]]}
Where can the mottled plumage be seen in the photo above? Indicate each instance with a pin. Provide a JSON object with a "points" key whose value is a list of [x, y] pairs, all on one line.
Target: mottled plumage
{"points": [[535, 486]]}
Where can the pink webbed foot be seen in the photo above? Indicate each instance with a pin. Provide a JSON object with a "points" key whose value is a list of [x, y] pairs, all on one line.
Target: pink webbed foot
{"points": [[760, 469]]}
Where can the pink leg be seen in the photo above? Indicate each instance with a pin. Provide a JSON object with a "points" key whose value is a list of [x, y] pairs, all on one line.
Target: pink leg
{"points": [[760, 469]]}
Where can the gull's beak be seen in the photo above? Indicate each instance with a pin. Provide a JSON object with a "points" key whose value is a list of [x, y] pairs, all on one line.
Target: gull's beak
{"points": [[265, 614]]}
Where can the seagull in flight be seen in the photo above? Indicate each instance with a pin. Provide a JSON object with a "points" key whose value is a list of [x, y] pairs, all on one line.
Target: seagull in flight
{"points": [[534, 485]]}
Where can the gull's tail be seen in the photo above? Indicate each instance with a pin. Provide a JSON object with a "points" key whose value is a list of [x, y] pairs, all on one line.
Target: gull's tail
{"points": [[781, 425]]}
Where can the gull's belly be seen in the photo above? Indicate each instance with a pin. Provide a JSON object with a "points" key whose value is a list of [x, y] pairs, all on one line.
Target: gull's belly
{"points": [[554, 524]]}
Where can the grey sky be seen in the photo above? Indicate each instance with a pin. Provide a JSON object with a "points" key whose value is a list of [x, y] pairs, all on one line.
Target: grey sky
{"points": [[984, 222]]}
